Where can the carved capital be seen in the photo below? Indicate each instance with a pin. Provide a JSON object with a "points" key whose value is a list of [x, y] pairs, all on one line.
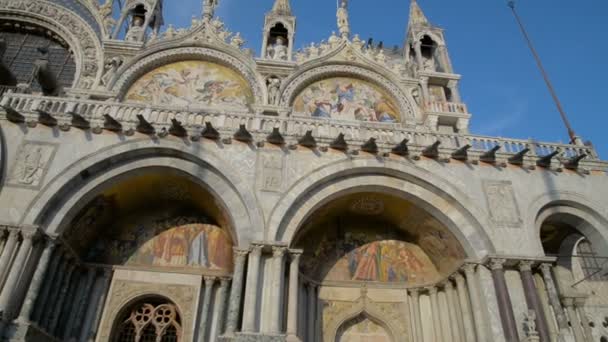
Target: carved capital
{"points": [[224, 281], [278, 252], [525, 265], [256, 250], [469, 269], [546, 268], [568, 302], [458, 278], [448, 285], [240, 253], [415, 292], [432, 290], [497, 263], [29, 234], [209, 280]]}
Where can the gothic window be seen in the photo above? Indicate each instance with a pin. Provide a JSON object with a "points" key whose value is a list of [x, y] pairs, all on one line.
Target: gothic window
{"points": [[23, 45], [591, 264], [150, 320]]}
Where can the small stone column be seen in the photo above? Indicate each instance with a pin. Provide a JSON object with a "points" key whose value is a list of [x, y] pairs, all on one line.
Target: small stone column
{"points": [[311, 313], [426, 96], [236, 290], [47, 309], [251, 289], [579, 305], [278, 261], [452, 304], [453, 87], [3, 238], [61, 296], [415, 294], [47, 283], [560, 316], [418, 51], [17, 269], [83, 301], [530, 291], [71, 305], [575, 323], [504, 300], [103, 293], [202, 326], [475, 297], [292, 303], [36, 283], [220, 307], [435, 313], [467, 317], [7, 253]]}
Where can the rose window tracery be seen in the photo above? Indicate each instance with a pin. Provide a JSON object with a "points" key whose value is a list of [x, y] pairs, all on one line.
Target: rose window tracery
{"points": [[150, 321]]}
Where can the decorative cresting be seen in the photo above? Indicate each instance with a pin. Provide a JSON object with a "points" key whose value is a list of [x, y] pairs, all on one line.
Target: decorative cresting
{"points": [[130, 73], [76, 32], [389, 316], [296, 85], [147, 321]]}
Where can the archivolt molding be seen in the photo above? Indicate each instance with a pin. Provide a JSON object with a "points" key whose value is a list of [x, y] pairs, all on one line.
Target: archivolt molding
{"points": [[300, 81], [77, 33], [130, 72], [123, 293]]}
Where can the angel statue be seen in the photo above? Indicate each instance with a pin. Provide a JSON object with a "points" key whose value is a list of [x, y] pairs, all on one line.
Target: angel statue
{"points": [[342, 16]]}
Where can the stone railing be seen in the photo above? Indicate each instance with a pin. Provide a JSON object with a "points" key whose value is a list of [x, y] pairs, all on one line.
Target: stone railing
{"points": [[446, 107], [292, 128]]}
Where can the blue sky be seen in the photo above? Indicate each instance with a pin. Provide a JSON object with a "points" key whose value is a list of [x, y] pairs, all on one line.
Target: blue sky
{"points": [[501, 84]]}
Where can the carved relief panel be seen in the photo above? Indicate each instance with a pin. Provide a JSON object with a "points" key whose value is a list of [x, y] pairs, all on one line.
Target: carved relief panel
{"points": [[502, 204], [31, 164], [271, 166]]}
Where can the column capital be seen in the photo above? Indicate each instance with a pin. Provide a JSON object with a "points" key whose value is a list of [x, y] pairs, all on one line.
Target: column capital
{"points": [[580, 302], [458, 277], [469, 268], [568, 302], [432, 290], [295, 253], [256, 250], [525, 265], [239, 252], [545, 267], [497, 263], [452, 83], [13, 232], [224, 281], [447, 284], [424, 79], [209, 280], [278, 251]]}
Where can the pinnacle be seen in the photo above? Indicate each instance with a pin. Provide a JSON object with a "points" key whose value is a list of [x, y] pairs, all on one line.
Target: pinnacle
{"points": [[281, 7], [417, 17]]}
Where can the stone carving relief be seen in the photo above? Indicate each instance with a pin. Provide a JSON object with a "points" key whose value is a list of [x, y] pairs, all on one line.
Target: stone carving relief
{"points": [[84, 43], [270, 171], [502, 204], [123, 292], [33, 159], [274, 90]]}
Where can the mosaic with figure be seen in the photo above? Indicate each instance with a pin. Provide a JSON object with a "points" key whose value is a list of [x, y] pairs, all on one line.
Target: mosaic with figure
{"points": [[347, 99], [360, 255], [191, 83]]}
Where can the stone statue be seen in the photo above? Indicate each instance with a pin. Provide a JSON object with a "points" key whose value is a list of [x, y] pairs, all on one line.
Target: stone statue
{"points": [[209, 8], [237, 41], [274, 85], [530, 323], [381, 57], [136, 30], [105, 11], [428, 64], [333, 39], [416, 95], [278, 51], [111, 66], [342, 16]]}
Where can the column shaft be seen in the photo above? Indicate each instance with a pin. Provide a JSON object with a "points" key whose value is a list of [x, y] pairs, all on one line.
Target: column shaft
{"points": [[90, 310], [84, 300], [236, 291], [415, 294], [46, 314], [436, 314], [580, 308], [475, 297], [36, 283], [74, 294], [220, 308], [7, 253], [202, 327], [311, 313], [294, 283], [575, 323], [105, 286], [418, 51], [560, 316], [465, 309], [15, 272], [454, 325], [277, 285], [531, 294], [251, 290], [504, 300], [58, 308]]}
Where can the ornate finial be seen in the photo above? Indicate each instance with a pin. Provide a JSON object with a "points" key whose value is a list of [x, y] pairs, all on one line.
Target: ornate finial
{"points": [[417, 17], [209, 8], [342, 16], [281, 7]]}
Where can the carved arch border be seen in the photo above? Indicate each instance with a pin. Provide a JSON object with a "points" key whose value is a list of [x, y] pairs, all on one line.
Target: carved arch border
{"points": [[88, 52], [298, 83], [436, 38], [387, 318], [132, 71], [124, 293]]}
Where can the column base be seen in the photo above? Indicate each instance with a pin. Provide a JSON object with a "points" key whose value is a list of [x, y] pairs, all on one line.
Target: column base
{"points": [[292, 338], [258, 337], [27, 331]]}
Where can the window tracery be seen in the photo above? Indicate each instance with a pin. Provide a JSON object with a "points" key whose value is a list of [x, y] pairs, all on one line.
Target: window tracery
{"points": [[150, 321]]}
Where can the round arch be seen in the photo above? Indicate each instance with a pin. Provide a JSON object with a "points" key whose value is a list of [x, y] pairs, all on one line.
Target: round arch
{"points": [[437, 39], [449, 206], [65, 195], [134, 69], [81, 38]]}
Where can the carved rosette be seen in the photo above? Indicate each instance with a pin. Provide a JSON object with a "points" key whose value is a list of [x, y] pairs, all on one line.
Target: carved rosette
{"points": [[75, 31]]}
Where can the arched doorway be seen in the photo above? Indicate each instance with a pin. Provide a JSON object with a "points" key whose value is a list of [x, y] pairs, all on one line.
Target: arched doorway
{"points": [[151, 319]]}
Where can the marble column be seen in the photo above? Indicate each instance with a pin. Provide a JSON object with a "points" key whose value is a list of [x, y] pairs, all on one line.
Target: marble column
{"points": [[579, 306], [16, 271], [560, 316], [292, 303], [465, 308], [435, 313], [61, 296], [106, 278], [505, 306], [251, 289], [220, 308], [236, 291], [476, 306], [33, 291], [453, 87], [90, 309], [7, 253], [531, 294], [458, 303], [418, 51], [3, 238], [452, 305], [311, 313], [415, 294], [278, 255], [575, 323], [202, 326], [82, 301], [47, 309]]}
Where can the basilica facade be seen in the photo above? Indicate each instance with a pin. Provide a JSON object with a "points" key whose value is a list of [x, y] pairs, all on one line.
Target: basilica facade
{"points": [[162, 184]]}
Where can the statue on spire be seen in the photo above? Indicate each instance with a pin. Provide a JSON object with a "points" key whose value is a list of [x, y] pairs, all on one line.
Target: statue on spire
{"points": [[209, 8], [342, 15]]}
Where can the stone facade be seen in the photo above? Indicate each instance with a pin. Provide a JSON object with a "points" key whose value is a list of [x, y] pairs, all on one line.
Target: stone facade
{"points": [[332, 193]]}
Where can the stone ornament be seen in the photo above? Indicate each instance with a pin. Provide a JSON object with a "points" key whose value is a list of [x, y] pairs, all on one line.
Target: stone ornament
{"points": [[502, 204], [274, 90], [342, 17], [31, 164]]}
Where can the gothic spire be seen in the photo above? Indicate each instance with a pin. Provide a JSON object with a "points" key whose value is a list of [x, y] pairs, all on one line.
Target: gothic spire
{"points": [[417, 17], [281, 7]]}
